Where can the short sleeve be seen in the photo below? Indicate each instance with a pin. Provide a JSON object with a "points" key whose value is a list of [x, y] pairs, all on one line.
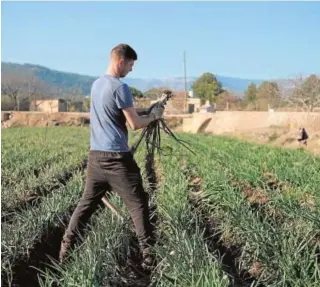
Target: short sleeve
{"points": [[124, 97]]}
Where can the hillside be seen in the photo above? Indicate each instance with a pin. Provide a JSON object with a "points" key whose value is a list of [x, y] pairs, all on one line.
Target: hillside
{"points": [[68, 81], [53, 78]]}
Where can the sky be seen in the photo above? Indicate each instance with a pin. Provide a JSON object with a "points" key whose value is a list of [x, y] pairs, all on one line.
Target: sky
{"points": [[249, 40]]}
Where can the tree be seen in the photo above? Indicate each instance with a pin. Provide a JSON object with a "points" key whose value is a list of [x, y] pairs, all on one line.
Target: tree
{"points": [[34, 86], [251, 93], [306, 93], [136, 93], [207, 87], [268, 94], [72, 108], [11, 86], [21, 88], [35, 89], [86, 104], [250, 97], [228, 101], [71, 95]]}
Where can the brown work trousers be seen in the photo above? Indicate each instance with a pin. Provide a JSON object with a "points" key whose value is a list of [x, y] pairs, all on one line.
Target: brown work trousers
{"points": [[119, 172]]}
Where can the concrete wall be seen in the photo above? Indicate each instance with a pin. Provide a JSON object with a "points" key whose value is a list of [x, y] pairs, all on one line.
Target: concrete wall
{"points": [[232, 121]]}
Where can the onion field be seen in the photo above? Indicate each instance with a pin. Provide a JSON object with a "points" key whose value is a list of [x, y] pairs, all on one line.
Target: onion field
{"points": [[231, 214]]}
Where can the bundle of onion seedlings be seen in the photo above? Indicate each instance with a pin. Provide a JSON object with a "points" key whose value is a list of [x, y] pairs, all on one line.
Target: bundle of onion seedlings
{"points": [[152, 137], [151, 133]]}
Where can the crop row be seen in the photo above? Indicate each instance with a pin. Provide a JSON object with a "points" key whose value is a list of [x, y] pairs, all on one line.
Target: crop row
{"points": [[275, 229], [230, 211]]}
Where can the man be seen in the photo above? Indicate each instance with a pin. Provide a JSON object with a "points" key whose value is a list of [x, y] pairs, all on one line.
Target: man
{"points": [[303, 136], [111, 165]]}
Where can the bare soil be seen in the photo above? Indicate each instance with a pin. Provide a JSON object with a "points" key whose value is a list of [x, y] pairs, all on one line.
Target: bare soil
{"points": [[279, 136], [39, 119]]}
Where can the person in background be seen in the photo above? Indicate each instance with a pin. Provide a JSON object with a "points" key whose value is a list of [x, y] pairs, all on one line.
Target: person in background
{"points": [[303, 136]]}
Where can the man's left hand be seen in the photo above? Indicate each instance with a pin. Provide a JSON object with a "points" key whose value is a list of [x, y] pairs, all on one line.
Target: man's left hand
{"points": [[158, 111]]}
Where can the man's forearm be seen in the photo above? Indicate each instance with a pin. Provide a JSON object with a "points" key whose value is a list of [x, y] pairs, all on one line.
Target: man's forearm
{"points": [[142, 111], [144, 121], [145, 111]]}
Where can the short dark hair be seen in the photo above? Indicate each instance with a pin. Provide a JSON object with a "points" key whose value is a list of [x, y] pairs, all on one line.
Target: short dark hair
{"points": [[125, 51]]}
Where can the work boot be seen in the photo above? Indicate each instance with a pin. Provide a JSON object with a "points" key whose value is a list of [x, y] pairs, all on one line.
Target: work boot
{"points": [[64, 250]]}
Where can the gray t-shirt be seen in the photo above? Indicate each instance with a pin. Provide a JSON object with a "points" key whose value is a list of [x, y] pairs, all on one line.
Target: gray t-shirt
{"points": [[108, 124]]}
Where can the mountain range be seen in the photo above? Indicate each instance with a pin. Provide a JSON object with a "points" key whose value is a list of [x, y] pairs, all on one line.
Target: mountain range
{"points": [[67, 81]]}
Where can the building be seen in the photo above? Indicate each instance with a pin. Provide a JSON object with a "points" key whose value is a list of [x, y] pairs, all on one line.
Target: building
{"points": [[56, 106], [180, 103], [177, 104], [194, 105], [49, 106]]}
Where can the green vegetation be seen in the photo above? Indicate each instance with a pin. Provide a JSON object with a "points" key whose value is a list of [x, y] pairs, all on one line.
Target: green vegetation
{"points": [[36, 159], [207, 87], [266, 201], [234, 214]]}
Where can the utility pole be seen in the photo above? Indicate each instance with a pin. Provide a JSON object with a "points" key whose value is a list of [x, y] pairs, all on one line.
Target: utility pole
{"points": [[185, 77]]}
